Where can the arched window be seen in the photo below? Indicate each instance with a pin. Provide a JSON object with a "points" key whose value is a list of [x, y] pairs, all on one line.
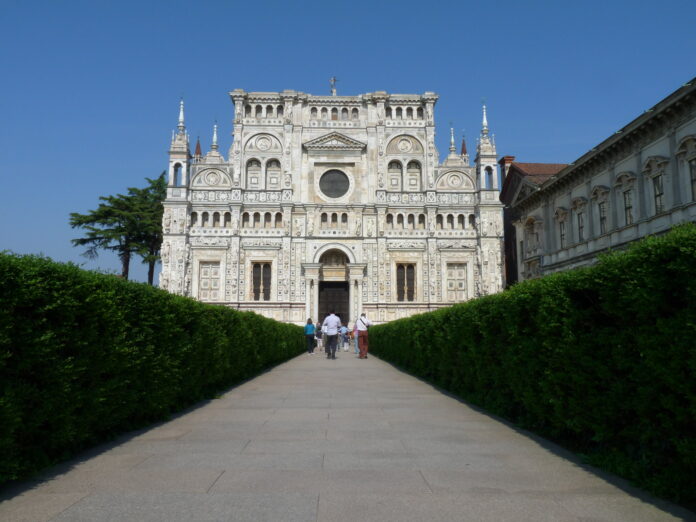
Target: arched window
{"points": [[176, 175], [419, 113], [313, 113], [204, 220], [413, 175], [344, 114], [334, 220], [267, 220], [461, 222], [421, 222], [216, 219], [257, 220], [280, 111], [245, 220], [228, 220], [259, 111], [273, 174], [194, 219], [450, 221], [472, 221], [278, 220], [394, 171], [355, 114], [409, 113], [324, 113], [438, 222], [399, 113], [411, 222], [269, 111], [400, 220], [334, 114], [253, 174], [247, 111], [261, 281], [344, 219], [489, 178], [389, 112], [390, 220]]}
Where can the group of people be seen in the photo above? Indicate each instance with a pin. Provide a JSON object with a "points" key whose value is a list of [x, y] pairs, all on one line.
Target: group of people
{"points": [[332, 331]]}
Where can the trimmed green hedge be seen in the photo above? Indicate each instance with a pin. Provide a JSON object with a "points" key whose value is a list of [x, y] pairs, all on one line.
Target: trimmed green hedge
{"points": [[602, 359], [84, 356]]}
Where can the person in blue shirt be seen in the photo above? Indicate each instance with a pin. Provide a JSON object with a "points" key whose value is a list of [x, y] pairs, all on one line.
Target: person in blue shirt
{"points": [[309, 335], [344, 337]]}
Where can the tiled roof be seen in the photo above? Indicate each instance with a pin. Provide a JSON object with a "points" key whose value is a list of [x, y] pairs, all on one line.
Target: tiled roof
{"points": [[537, 173]]}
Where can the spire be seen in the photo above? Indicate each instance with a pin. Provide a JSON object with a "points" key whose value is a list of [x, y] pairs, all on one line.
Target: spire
{"points": [[453, 149], [464, 152], [484, 129], [214, 146], [181, 125], [197, 154], [333, 81]]}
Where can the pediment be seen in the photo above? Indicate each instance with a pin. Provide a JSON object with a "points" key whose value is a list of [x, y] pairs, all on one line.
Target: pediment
{"points": [[334, 141]]}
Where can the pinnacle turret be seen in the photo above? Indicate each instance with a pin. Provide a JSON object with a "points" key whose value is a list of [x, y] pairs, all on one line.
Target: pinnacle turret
{"points": [[214, 146]]}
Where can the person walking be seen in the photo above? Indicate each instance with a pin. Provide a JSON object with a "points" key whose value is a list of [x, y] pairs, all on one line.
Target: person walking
{"points": [[309, 336], [344, 337], [363, 324], [355, 338], [317, 336], [332, 324]]}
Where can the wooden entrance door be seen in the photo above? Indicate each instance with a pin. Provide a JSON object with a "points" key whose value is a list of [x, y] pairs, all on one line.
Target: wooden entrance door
{"points": [[333, 297]]}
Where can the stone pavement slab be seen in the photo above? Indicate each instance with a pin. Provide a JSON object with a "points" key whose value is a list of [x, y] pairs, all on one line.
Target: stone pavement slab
{"points": [[319, 440]]}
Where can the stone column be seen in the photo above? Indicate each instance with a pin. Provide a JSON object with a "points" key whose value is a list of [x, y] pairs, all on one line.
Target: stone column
{"points": [[311, 272]]}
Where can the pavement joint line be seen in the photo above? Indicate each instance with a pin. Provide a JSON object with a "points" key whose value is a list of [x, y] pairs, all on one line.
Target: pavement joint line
{"points": [[140, 462], [323, 457], [245, 446], [71, 505], [183, 434], [215, 481], [317, 517], [426, 481]]}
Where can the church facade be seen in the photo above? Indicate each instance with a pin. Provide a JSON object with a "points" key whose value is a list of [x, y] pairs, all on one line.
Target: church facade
{"points": [[332, 203]]}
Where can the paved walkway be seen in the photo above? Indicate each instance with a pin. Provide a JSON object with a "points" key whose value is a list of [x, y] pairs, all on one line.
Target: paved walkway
{"points": [[319, 440]]}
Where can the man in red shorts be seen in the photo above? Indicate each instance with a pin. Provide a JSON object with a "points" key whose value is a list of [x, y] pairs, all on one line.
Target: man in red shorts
{"points": [[363, 324]]}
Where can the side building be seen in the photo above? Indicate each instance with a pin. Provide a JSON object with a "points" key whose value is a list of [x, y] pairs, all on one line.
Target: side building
{"points": [[332, 202], [639, 181]]}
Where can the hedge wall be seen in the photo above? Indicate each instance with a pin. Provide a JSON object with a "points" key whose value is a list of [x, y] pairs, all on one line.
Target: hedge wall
{"points": [[84, 356], [602, 359]]}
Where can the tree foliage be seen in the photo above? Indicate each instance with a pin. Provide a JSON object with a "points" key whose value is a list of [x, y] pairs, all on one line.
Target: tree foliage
{"points": [[85, 356], [125, 224], [601, 359]]}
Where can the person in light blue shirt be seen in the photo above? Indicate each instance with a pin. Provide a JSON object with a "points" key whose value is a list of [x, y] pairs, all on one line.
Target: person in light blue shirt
{"points": [[309, 336], [332, 324], [344, 337]]}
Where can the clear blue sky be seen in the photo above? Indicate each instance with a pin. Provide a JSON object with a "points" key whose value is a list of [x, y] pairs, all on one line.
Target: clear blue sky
{"points": [[90, 89]]}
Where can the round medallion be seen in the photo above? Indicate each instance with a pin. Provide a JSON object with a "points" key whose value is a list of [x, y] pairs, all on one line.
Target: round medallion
{"points": [[263, 143], [405, 145], [212, 178], [454, 180], [334, 183]]}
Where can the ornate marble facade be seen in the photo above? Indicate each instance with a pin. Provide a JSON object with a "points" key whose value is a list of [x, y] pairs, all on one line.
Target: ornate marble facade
{"points": [[332, 201]]}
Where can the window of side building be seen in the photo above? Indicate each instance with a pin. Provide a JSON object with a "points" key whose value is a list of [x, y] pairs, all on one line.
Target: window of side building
{"points": [[658, 193], [692, 173], [562, 233], [581, 227], [602, 209], [628, 206]]}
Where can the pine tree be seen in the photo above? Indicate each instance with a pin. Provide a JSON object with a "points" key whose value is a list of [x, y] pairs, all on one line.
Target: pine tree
{"points": [[148, 205], [126, 224], [112, 226]]}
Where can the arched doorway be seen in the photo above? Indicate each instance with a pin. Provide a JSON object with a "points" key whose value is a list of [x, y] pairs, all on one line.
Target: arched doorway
{"points": [[334, 293]]}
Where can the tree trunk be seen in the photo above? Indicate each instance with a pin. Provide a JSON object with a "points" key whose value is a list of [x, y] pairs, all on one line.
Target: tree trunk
{"points": [[125, 263], [151, 272]]}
